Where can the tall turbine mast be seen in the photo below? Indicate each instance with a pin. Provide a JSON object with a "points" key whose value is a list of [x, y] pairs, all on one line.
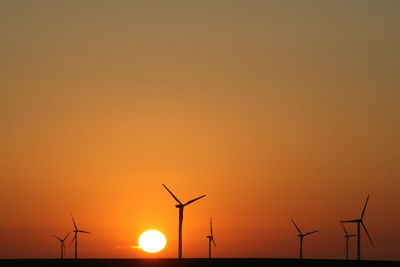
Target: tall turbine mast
{"points": [[347, 236], [62, 244], [301, 236], [76, 231], [210, 239], [360, 223], [181, 206]]}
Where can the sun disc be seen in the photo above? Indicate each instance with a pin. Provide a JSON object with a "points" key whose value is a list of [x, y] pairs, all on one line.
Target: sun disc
{"points": [[152, 241]]}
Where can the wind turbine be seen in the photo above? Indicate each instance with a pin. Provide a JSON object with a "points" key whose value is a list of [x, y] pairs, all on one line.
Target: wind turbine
{"points": [[360, 222], [76, 231], [347, 236], [62, 243], [210, 239], [301, 236], [181, 206]]}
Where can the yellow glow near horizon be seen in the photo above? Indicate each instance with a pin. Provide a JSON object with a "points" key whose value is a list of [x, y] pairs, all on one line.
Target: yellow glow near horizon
{"points": [[152, 241]]}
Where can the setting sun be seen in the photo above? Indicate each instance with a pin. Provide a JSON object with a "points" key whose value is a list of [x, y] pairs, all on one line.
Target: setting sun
{"points": [[152, 241]]}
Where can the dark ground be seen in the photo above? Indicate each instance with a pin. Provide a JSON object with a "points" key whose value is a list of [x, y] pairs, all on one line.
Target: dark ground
{"points": [[190, 262]]}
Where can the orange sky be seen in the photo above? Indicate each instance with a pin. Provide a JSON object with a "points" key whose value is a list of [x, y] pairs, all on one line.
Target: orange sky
{"points": [[274, 109]]}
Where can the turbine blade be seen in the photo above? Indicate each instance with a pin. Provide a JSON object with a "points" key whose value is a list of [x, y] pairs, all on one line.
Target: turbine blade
{"points": [[344, 229], [309, 233], [172, 194], [72, 241], [85, 232], [349, 221], [57, 237], [193, 200], [365, 206], [67, 235], [295, 225], [366, 231], [212, 239], [211, 230], [76, 228]]}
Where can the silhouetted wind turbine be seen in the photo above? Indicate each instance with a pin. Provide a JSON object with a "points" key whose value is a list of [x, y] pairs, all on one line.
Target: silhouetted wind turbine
{"points": [[347, 236], [360, 222], [62, 243], [181, 206], [76, 231], [301, 236], [210, 239]]}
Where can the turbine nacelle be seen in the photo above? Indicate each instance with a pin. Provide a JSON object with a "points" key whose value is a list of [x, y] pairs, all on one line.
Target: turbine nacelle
{"points": [[59, 239]]}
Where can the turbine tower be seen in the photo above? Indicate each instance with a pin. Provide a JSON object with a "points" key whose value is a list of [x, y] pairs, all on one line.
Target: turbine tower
{"points": [[359, 224], [62, 243], [301, 236], [76, 231], [210, 239], [347, 236], [181, 206]]}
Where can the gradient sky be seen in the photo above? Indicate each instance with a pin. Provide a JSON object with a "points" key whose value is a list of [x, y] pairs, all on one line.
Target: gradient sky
{"points": [[274, 109]]}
